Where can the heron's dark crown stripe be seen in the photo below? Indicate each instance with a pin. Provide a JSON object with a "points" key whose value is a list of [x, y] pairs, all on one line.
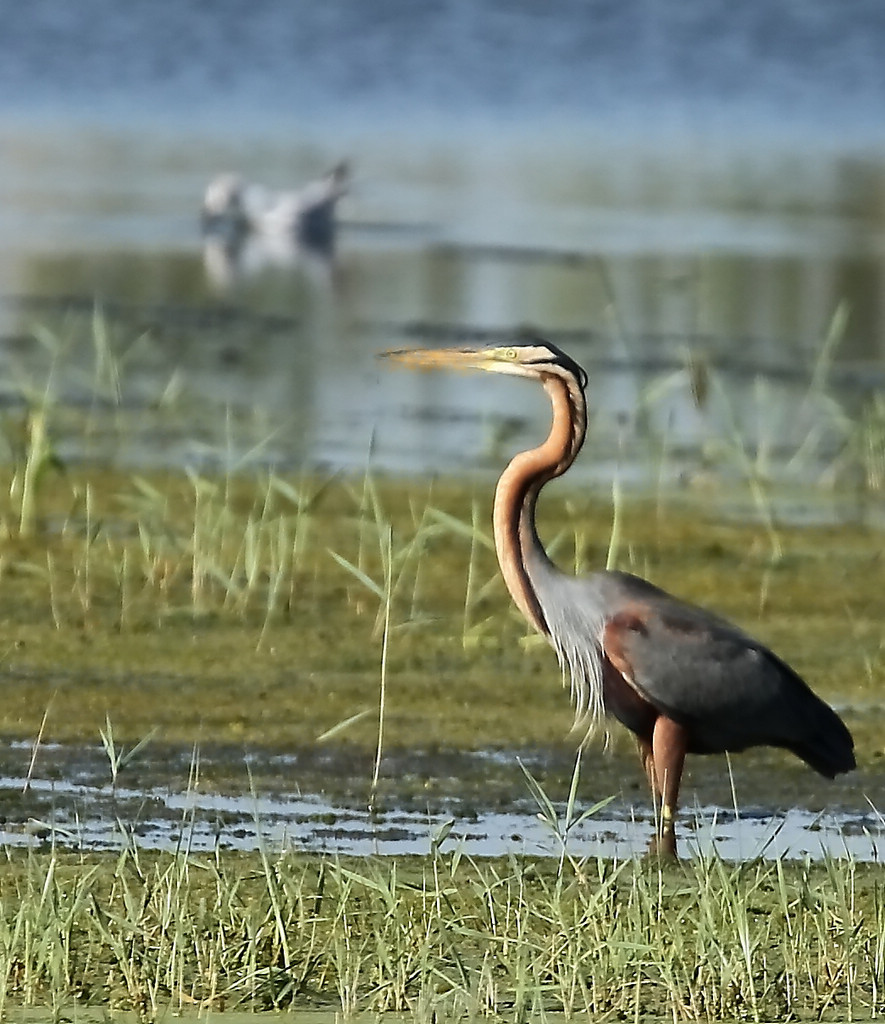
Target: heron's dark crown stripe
{"points": [[555, 357]]}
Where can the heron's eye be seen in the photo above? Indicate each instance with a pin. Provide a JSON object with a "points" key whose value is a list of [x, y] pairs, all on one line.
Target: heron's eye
{"points": [[511, 353]]}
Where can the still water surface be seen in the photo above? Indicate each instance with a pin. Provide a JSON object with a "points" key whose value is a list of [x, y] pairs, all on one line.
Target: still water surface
{"points": [[69, 803], [701, 321]]}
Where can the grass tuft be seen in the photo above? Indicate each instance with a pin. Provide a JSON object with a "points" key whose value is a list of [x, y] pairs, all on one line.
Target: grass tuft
{"points": [[446, 937]]}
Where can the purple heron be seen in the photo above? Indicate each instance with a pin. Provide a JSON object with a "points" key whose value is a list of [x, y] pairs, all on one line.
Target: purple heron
{"points": [[683, 680]]}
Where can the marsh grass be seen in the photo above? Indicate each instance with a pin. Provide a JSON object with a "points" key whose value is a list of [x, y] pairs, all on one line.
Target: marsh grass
{"points": [[118, 757], [447, 937], [277, 580]]}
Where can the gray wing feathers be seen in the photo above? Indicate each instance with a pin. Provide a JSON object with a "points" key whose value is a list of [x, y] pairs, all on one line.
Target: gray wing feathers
{"points": [[740, 693], [730, 690]]}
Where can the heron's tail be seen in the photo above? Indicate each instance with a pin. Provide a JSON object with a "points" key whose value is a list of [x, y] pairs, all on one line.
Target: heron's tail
{"points": [[828, 746]]}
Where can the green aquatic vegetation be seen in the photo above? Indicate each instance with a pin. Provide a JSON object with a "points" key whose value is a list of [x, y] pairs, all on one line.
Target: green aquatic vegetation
{"points": [[117, 758], [445, 937], [254, 607]]}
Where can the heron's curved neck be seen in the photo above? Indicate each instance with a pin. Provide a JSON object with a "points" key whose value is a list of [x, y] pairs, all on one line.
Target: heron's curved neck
{"points": [[516, 539]]}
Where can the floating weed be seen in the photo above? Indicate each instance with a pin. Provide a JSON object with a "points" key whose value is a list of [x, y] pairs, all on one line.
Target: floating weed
{"points": [[120, 572]]}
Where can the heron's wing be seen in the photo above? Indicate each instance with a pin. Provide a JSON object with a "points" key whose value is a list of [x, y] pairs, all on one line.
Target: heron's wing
{"points": [[729, 690]]}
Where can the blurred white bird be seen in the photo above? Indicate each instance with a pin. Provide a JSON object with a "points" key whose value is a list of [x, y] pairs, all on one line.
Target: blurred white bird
{"points": [[233, 208]]}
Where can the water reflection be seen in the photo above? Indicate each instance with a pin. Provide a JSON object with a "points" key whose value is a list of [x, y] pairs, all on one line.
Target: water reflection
{"points": [[728, 306], [248, 228], [84, 816], [231, 261]]}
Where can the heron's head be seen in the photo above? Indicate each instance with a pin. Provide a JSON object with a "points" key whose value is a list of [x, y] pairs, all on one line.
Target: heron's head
{"points": [[526, 356]]}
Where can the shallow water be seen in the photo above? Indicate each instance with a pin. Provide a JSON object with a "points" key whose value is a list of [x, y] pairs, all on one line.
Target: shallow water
{"points": [[687, 351], [73, 805]]}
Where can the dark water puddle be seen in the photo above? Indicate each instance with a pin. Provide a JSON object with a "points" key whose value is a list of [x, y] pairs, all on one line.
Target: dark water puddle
{"points": [[455, 800]]}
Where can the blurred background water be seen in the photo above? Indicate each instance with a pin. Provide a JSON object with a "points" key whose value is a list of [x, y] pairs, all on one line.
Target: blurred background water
{"points": [[689, 196]]}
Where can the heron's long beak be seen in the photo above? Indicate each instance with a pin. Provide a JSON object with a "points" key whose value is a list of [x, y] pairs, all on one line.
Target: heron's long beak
{"points": [[450, 358]]}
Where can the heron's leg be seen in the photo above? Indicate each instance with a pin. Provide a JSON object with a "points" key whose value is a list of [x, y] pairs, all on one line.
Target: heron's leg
{"points": [[668, 747], [656, 846], [648, 766]]}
